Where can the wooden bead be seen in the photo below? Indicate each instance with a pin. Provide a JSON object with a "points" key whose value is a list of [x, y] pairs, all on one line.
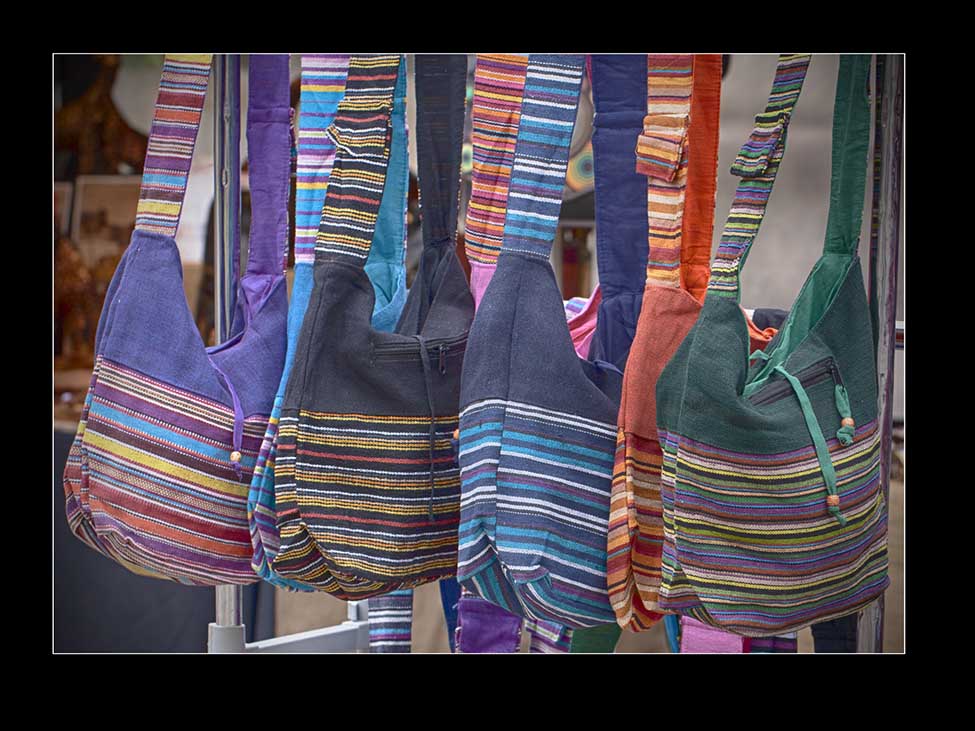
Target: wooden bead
{"points": [[235, 456], [456, 433], [833, 500], [848, 421]]}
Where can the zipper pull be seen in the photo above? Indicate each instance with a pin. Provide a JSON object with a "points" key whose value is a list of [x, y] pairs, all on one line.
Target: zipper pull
{"points": [[443, 359]]}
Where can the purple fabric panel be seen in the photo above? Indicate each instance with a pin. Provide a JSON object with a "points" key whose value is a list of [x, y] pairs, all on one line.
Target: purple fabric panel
{"points": [[269, 152], [698, 637], [483, 627]]}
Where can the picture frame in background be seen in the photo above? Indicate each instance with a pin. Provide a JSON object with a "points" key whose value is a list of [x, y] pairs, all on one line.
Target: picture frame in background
{"points": [[62, 207], [103, 218]]}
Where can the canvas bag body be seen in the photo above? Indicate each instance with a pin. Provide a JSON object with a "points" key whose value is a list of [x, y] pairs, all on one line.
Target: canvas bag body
{"points": [[526, 543], [366, 482], [778, 463], [171, 429], [323, 86]]}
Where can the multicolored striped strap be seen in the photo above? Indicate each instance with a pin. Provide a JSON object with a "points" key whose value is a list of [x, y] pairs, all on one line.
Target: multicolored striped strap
{"points": [[757, 163], [361, 133], [175, 123], [499, 88], [548, 113], [322, 88], [269, 161], [441, 90], [661, 155]]}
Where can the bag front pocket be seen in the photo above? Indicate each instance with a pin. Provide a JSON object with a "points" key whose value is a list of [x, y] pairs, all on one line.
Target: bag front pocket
{"points": [[163, 489], [553, 489]]}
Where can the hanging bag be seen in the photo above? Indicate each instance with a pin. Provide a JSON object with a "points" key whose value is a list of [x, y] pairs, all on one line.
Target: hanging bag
{"points": [[678, 152], [322, 88], [158, 474], [537, 422], [366, 482], [774, 517]]}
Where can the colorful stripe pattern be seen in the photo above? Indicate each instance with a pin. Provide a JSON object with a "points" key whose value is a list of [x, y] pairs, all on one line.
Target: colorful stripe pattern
{"points": [[662, 156], [499, 87], [548, 114], [757, 162], [153, 485], [361, 132], [535, 509], [354, 502], [322, 87], [793, 570], [390, 622], [323, 79], [175, 123]]}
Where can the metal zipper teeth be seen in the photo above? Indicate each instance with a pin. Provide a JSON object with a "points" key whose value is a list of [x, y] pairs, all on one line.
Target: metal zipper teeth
{"points": [[811, 376]]}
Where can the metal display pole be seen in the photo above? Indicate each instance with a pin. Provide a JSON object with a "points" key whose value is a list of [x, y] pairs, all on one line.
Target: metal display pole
{"points": [[226, 634], [870, 636]]}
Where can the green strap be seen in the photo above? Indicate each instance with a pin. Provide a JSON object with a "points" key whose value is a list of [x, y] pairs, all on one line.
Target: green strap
{"points": [[851, 141], [822, 451]]}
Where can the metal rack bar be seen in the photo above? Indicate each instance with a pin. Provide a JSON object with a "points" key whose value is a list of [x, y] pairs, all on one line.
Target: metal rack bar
{"points": [[227, 633], [870, 637]]}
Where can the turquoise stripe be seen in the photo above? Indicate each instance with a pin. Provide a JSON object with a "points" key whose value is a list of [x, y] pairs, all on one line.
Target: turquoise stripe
{"points": [[576, 501], [560, 445]]}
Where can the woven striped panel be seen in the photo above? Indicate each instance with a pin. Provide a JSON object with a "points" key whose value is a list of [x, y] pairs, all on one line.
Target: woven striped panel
{"points": [[535, 509], [548, 114], [548, 638], [175, 122], [662, 157], [160, 489], [390, 622], [757, 162], [749, 546], [353, 498], [361, 131], [499, 86], [323, 79]]}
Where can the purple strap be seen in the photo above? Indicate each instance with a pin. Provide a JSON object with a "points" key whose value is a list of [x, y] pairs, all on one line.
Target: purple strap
{"points": [[269, 152]]}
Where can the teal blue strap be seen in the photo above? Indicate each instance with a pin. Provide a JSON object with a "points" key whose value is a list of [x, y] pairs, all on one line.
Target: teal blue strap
{"points": [[851, 142], [819, 441], [846, 431]]}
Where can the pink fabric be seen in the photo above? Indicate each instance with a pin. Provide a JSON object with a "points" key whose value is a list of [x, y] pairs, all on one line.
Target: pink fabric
{"points": [[582, 325], [698, 637], [480, 276]]}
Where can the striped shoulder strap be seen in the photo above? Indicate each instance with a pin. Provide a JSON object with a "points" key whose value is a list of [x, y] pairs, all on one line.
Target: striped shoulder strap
{"points": [[175, 124], [548, 113], [757, 164], [499, 88], [661, 155], [361, 134], [323, 79]]}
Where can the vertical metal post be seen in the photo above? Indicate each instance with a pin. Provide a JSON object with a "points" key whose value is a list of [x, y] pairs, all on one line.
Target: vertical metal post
{"points": [[870, 637], [227, 633]]}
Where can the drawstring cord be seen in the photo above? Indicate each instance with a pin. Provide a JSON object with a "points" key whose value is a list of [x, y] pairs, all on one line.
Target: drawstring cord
{"points": [[428, 378], [235, 455], [822, 451]]}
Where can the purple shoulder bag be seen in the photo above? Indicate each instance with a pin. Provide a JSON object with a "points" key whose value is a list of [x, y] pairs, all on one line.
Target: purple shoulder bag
{"points": [[158, 474]]}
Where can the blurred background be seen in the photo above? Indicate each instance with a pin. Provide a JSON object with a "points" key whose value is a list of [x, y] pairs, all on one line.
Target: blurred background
{"points": [[103, 106]]}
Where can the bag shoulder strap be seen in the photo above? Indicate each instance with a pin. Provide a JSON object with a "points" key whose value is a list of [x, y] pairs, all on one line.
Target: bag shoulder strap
{"points": [[499, 88], [851, 142], [441, 88], [548, 112], [361, 135], [662, 155], [269, 161], [323, 79], [757, 164], [169, 154]]}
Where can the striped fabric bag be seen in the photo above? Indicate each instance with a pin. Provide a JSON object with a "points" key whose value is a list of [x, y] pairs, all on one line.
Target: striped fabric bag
{"points": [[366, 483], [158, 473], [774, 517], [322, 88], [537, 422]]}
